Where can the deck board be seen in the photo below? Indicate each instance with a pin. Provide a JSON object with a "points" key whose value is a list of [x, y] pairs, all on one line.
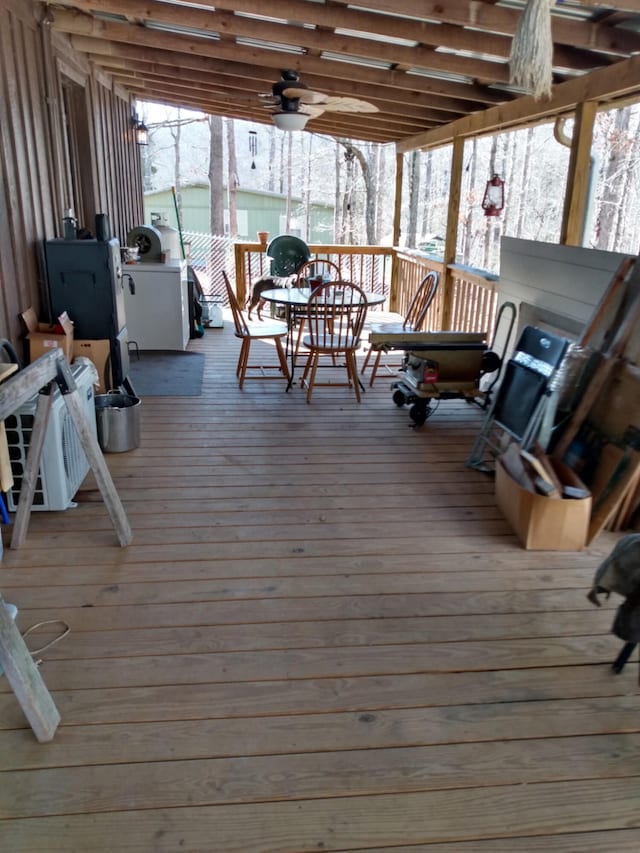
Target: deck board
{"points": [[323, 637]]}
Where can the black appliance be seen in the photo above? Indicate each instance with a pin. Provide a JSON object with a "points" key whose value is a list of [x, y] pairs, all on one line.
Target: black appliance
{"points": [[85, 280], [537, 356]]}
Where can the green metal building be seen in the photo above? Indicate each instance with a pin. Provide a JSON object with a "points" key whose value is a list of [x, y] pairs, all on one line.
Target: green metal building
{"points": [[257, 211]]}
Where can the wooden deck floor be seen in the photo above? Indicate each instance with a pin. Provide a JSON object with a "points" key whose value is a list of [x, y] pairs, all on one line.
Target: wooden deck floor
{"points": [[323, 638]]}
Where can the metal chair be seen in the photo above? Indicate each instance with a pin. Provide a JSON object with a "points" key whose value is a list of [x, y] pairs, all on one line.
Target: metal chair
{"points": [[335, 317], [413, 320], [249, 331]]}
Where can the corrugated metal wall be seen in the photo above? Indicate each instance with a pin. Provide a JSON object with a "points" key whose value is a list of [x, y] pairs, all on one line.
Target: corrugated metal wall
{"points": [[35, 170]]}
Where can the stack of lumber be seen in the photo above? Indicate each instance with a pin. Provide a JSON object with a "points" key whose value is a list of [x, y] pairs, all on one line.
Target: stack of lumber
{"points": [[602, 432]]}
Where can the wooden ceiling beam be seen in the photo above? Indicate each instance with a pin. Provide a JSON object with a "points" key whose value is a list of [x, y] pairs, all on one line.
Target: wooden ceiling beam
{"points": [[620, 5], [238, 89], [500, 19], [74, 23], [336, 17], [239, 75], [357, 122], [435, 24], [236, 26], [328, 128], [604, 86]]}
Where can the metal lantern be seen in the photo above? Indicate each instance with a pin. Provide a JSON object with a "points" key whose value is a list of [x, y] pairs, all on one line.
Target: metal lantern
{"points": [[493, 200]]}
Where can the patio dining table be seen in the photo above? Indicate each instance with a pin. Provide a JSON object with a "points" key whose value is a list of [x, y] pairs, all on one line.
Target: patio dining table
{"points": [[295, 300]]}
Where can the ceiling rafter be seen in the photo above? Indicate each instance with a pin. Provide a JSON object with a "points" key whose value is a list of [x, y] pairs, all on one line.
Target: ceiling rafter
{"points": [[430, 67], [234, 26], [328, 19], [244, 77], [241, 91], [500, 19]]}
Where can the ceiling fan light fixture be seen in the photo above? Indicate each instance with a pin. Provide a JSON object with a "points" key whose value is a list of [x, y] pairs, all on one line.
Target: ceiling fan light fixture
{"points": [[290, 120]]}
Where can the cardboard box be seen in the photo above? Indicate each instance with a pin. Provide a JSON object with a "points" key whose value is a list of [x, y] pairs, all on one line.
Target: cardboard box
{"points": [[542, 523], [99, 352], [42, 337]]}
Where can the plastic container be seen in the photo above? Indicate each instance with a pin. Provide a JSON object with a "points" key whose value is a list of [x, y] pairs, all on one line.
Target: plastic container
{"points": [[118, 422]]}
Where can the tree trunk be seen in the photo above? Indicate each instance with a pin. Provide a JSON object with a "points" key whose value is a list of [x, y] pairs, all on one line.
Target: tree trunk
{"points": [[488, 234], [176, 132], [307, 190], [216, 183], [414, 194], [337, 221], [380, 173], [232, 179], [289, 176], [619, 147], [272, 160], [351, 152], [347, 199]]}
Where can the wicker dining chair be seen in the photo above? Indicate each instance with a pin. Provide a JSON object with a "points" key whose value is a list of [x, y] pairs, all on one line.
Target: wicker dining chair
{"points": [[413, 321], [335, 318], [249, 331]]}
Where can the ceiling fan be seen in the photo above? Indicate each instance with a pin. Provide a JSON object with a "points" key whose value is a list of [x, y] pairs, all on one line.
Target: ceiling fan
{"points": [[292, 103]]}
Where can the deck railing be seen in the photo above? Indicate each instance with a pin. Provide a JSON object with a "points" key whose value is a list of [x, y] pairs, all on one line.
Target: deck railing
{"points": [[396, 273], [473, 300], [370, 267]]}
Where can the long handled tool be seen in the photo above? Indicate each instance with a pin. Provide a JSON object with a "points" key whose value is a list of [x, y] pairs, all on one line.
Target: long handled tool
{"points": [[175, 205]]}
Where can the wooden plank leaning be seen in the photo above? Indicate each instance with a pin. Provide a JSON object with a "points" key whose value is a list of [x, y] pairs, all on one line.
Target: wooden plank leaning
{"points": [[25, 680], [49, 368], [629, 275]]}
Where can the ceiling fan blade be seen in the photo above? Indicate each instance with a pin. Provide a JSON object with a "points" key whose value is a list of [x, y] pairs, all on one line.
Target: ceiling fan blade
{"points": [[305, 96], [312, 110], [348, 105], [334, 103]]}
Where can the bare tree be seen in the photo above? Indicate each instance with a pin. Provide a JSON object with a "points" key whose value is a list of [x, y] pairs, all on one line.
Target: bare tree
{"points": [[619, 148], [306, 197], [414, 195], [232, 179], [353, 152], [175, 130], [216, 183]]}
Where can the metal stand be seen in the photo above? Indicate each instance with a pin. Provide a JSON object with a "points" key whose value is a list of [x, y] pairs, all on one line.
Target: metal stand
{"points": [[494, 435]]}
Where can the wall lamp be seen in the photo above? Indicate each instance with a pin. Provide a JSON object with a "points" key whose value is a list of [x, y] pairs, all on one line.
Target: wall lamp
{"points": [[140, 130]]}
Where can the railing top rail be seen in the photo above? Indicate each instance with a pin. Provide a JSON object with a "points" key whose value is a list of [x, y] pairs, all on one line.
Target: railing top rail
{"points": [[473, 274], [326, 248]]}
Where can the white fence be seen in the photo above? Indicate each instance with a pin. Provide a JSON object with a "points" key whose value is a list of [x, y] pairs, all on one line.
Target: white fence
{"points": [[209, 256]]}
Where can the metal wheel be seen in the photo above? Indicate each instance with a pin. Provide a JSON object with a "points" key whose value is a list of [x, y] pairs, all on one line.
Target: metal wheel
{"points": [[419, 413]]}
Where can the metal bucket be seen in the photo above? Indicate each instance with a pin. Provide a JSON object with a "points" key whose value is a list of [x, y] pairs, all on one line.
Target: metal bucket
{"points": [[118, 422]]}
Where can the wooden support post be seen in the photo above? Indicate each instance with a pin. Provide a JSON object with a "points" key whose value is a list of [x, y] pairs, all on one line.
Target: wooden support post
{"points": [[577, 189], [241, 284], [397, 213], [451, 237], [25, 680]]}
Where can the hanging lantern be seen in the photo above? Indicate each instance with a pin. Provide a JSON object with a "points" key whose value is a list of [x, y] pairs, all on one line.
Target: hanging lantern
{"points": [[253, 147], [493, 200]]}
